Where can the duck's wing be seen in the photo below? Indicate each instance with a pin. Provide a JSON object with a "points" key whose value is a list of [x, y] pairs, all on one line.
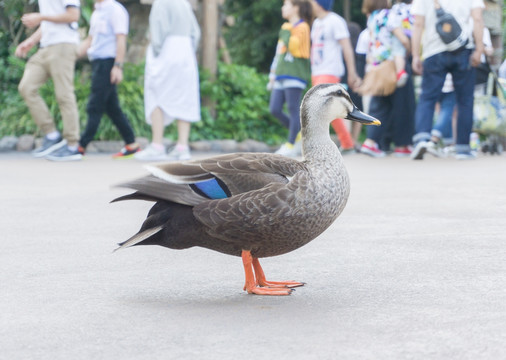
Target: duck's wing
{"points": [[193, 182]]}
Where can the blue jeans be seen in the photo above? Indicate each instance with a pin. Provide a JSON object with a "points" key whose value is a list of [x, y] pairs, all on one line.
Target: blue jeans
{"points": [[443, 126], [435, 69], [292, 97]]}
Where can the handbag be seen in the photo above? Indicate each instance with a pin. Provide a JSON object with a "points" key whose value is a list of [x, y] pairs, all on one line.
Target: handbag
{"points": [[489, 111], [379, 80], [449, 30], [482, 72]]}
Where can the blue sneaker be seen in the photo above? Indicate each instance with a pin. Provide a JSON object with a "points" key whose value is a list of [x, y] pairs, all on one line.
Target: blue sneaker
{"points": [[65, 154], [48, 146]]}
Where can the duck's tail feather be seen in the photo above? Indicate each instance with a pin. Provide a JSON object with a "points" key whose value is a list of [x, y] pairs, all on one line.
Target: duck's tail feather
{"points": [[134, 196], [139, 237]]}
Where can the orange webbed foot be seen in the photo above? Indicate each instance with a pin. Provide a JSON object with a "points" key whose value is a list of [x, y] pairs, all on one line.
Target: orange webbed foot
{"points": [[256, 282], [257, 290], [280, 284]]}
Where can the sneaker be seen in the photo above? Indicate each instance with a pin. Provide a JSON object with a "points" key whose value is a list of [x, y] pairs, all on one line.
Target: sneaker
{"points": [[48, 146], [179, 154], [419, 150], [465, 155], [81, 150], [127, 152], [449, 150], [433, 149], [65, 154], [402, 78], [151, 153], [297, 148], [402, 151], [373, 151], [288, 150]]}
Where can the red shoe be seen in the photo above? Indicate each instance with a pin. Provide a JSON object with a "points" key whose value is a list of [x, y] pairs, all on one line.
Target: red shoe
{"points": [[402, 151], [372, 151], [402, 78], [81, 150], [127, 152]]}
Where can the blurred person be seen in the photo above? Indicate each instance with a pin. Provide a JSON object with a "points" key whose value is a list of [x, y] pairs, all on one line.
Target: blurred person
{"points": [[58, 39], [396, 110], [171, 83], [438, 61], [291, 70], [106, 48], [330, 49]]}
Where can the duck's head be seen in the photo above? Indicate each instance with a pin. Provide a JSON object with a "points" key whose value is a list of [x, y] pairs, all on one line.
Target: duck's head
{"points": [[327, 102]]}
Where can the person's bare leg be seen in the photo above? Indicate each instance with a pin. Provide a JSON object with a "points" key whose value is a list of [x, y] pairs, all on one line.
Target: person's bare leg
{"points": [[183, 132], [157, 126]]}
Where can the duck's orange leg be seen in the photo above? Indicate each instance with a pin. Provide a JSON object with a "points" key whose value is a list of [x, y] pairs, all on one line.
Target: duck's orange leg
{"points": [[251, 284], [261, 281]]}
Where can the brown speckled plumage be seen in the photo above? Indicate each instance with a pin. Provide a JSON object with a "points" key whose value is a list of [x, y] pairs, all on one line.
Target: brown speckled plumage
{"points": [[275, 204]]}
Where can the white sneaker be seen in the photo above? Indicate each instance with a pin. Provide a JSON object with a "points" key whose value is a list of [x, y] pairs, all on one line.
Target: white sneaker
{"points": [[179, 155], [419, 150], [433, 149], [151, 153], [287, 149]]}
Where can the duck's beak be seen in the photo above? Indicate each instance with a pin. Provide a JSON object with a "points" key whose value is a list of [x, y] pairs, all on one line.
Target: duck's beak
{"points": [[363, 118]]}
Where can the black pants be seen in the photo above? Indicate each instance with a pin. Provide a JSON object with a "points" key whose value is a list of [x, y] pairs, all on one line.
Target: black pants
{"points": [[104, 98]]}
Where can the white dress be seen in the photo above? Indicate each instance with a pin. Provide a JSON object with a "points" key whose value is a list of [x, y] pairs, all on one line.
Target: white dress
{"points": [[171, 81]]}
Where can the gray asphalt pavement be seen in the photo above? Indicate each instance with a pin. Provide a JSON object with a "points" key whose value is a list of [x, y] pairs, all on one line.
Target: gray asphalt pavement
{"points": [[415, 268]]}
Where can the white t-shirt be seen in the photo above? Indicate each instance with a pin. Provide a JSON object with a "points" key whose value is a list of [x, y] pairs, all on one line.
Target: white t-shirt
{"points": [[326, 52], [53, 33], [109, 19], [461, 10], [363, 42]]}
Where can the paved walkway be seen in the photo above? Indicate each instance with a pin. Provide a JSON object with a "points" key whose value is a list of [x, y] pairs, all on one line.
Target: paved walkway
{"points": [[415, 268]]}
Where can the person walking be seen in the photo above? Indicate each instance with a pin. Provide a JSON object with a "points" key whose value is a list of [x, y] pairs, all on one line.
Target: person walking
{"points": [[330, 49], [171, 83], [58, 39], [438, 61], [291, 69], [106, 48], [396, 110]]}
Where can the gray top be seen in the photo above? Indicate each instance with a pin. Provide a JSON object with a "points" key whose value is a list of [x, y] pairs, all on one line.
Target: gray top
{"points": [[172, 18]]}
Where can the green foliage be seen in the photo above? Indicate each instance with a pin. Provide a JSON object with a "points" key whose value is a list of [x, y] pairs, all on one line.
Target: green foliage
{"points": [[242, 107], [252, 40]]}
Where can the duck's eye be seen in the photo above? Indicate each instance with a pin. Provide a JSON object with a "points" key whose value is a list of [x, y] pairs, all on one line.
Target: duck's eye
{"points": [[339, 92]]}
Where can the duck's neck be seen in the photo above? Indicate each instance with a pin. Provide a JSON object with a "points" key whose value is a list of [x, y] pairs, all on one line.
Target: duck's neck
{"points": [[317, 144]]}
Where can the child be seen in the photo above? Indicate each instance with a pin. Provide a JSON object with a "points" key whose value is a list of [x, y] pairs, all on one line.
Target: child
{"points": [[291, 69], [330, 44], [390, 40]]}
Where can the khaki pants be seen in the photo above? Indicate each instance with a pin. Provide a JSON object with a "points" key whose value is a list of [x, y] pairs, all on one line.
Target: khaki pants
{"points": [[56, 62]]}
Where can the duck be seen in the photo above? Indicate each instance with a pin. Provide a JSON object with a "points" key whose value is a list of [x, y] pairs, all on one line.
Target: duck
{"points": [[252, 205]]}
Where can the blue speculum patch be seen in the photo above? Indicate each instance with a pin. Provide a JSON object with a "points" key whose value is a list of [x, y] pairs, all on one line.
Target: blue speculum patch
{"points": [[212, 189]]}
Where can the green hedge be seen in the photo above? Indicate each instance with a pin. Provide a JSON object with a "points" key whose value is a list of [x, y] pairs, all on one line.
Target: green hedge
{"points": [[239, 94]]}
